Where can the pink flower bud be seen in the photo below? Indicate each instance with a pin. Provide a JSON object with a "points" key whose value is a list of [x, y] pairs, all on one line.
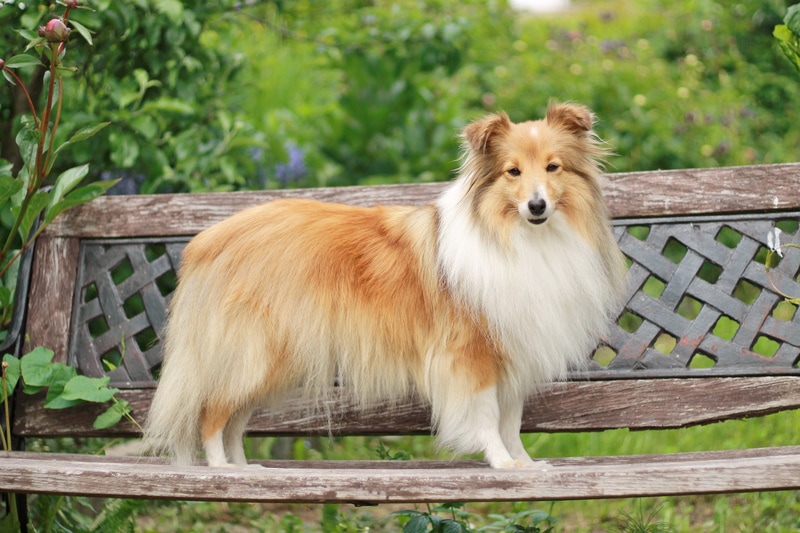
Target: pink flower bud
{"points": [[2, 64], [72, 4], [55, 31]]}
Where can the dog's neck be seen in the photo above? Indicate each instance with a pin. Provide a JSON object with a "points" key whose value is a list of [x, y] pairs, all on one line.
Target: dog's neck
{"points": [[545, 294]]}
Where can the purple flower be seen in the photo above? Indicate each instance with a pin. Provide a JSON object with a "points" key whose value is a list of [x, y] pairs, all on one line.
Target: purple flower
{"points": [[294, 170]]}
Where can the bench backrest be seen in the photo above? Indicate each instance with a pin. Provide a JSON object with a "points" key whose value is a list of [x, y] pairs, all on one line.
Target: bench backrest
{"points": [[700, 304]]}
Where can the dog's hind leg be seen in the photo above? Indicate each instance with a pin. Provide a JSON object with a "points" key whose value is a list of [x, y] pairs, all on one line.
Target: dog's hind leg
{"points": [[213, 420], [233, 436]]}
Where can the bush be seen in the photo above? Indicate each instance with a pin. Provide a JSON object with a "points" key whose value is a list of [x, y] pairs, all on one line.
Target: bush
{"points": [[154, 76]]}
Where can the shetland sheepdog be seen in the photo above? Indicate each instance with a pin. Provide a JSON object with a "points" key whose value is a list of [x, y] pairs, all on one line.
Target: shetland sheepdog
{"points": [[504, 283]]}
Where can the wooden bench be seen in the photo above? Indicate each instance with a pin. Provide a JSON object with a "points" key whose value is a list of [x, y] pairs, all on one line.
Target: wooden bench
{"points": [[696, 240]]}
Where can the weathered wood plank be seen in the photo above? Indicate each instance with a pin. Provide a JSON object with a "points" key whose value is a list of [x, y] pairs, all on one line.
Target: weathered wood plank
{"points": [[571, 406], [634, 194], [55, 265], [572, 478]]}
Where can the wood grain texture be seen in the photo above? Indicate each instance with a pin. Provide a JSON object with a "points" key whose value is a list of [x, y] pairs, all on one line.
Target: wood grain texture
{"points": [[635, 194], [571, 406], [53, 276], [571, 478]]}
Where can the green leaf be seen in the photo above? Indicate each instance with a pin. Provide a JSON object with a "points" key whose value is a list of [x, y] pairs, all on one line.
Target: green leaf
{"points": [[89, 389], [37, 204], [65, 182], [9, 78], [87, 131], [12, 373], [451, 526], [5, 297], [77, 197], [418, 524], [173, 9], [5, 168], [124, 149], [168, 105], [27, 35], [10, 522], [112, 415], [61, 375], [80, 135], [83, 30], [789, 43], [28, 141], [8, 187], [23, 60], [792, 19], [37, 367]]}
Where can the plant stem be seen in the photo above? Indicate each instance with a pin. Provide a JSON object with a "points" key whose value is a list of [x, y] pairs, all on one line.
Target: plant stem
{"points": [[17, 222], [49, 161], [40, 174], [12, 498], [25, 92], [6, 439]]}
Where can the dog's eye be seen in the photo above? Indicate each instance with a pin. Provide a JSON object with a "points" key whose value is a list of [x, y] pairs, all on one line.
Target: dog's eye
{"points": [[552, 167], [514, 171]]}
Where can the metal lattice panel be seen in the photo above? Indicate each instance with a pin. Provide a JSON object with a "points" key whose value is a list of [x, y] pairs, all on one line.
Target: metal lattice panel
{"points": [[699, 303], [120, 308]]}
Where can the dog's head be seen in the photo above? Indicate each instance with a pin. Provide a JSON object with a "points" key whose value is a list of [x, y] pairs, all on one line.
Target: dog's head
{"points": [[530, 171]]}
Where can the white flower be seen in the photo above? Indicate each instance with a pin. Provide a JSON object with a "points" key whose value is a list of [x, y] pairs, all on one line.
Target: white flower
{"points": [[774, 241]]}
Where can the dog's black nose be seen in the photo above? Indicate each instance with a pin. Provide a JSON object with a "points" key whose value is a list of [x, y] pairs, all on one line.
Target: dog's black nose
{"points": [[537, 207]]}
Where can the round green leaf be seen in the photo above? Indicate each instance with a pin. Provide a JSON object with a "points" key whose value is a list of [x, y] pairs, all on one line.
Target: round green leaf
{"points": [[88, 389]]}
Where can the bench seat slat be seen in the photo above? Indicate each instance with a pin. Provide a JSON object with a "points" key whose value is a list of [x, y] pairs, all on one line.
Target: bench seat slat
{"points": [[570, 478], [570, 406]]}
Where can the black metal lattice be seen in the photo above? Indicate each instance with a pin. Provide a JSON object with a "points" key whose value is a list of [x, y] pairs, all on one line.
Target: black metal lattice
{"points": [[120, 308], [699, 302]]}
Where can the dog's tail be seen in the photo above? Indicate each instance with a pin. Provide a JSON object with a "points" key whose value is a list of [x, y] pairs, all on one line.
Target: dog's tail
{"points": [[173, 422]]}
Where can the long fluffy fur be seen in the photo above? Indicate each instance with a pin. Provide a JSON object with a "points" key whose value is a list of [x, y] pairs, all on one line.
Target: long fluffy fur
{"points": [[470, 303]]}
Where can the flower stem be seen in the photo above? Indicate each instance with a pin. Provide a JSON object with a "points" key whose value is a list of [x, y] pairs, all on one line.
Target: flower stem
{"points": [[6, 436], [40, 174], [49, 160], [17, 222], [25, 92]]}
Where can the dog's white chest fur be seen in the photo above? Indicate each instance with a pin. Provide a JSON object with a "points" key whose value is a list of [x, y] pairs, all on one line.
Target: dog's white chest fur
{"points": [[546, 297]]}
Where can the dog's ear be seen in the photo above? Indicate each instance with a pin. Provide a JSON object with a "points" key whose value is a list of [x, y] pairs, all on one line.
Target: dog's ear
{"points": [[481, 134], [574, 118]]}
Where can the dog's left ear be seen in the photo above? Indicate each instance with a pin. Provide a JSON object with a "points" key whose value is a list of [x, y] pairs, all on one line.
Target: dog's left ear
{"points": [[574, 118], [481, 134]]}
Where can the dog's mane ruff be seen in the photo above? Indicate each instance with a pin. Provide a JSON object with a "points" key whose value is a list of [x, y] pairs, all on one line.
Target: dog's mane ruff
{"points": [[545, 295]]}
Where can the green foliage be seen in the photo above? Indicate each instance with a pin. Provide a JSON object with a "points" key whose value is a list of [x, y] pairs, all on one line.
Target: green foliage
{"points": [[528, 521], [397, 113], [459, 520], [642, 520], [386, 454], [36, 371], [118, 516], [30, 132], [788, 35], [421, 522], [152, 76]]}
